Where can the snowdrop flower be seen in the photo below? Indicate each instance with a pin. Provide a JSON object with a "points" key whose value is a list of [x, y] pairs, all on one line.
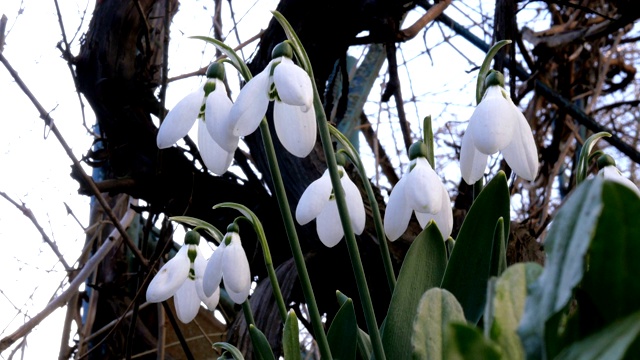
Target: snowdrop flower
{"points": [[293, 113], [609, 171], [497, 125], [181, 277], [229, 263], [419, 191], [318, 202], [210, 105]]}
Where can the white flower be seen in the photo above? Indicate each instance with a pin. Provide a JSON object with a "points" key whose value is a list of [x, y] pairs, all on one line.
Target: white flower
{"points": [[318, 202], [609, 171], [422, 192], [294, 115], [229, 263], [498, 125], [181, 278], [216, 143]]}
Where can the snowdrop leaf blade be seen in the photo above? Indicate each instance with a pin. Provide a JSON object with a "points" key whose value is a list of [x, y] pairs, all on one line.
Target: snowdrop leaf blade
{"points": [[397, 214], [261, 346], [215, 158], [213, 271], [293, 83], [250, 106], [186, 301], [232, 350], [522, 154], [296, 128], [169, 278], [291, 337], [472, 161], [355, 204], [180, 119], [329, 226], [314, 199]]}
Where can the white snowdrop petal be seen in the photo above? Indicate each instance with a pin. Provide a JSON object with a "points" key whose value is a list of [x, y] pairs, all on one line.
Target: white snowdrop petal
{"points": [[355, 204], [186, 301], [239, 297], [472, 161], [215, 158], [216, 116], [397, 213], [611, 173], [250, 106], [213, 271], [314, 199], [180, 119], [423, 188], [210, 301], [522, 153], [295, 127], [169, 278], [443, 218], [293, 83], [329, 226], [492, 122], [236, 273]]}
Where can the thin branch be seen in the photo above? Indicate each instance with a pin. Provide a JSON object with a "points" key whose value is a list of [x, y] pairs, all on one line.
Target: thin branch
{"points": [[44, 115], [79, 279]]}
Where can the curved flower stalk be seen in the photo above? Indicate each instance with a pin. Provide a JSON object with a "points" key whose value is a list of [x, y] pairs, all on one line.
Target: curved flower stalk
{"points": [[181, 277], [293, 113], [497, 125], [318, 202], [608, 170], [229, 264], [421, 192], [210, 105]]}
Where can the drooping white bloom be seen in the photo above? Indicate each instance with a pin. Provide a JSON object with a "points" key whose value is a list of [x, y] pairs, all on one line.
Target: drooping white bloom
{"points": [[181, 277], [215, 141], [422, 192], [294, 115], [229, 264], [610, 172], [498, 125], [318, 202]]}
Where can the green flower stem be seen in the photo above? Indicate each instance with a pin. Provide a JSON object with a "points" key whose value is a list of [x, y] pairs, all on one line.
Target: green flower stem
{"points": [[248, 315], [477, 187], [350, 238], [377, 218], [292, 235]]}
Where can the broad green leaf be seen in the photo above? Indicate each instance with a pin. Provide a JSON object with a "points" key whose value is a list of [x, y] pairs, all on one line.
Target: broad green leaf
{"points": [[195, 222], [614, 255], [470, 266], [261, 348], [436, 309], [610, 343], [290, 337], [506, 305], [466, 342], [363, 342], [499, 254], [566, 245], [343, 332], [232, 350], [421, 270]]}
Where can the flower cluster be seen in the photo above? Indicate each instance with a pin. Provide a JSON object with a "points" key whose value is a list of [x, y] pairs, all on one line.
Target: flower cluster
{"points": [[497, 125], [421, 192], [190, 279]]}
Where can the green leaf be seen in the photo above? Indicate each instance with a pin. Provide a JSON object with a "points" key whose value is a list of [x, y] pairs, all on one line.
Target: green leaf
{"points": [[421, 270], [343, 332], [499, 254], [365, 350], [195, 222], [465, 342], [237, 355], [234, 58], [506, 305], [303, 59], [566, 245], [582, 169], [614, 255], [436, 309], [471, 261], [610, 343], [261, 348], [290, 337]]}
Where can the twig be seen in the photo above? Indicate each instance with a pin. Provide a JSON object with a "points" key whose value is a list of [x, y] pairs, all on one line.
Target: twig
{"points": [[87, 179], [29, 214], [3, 26], [82, 275]]}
